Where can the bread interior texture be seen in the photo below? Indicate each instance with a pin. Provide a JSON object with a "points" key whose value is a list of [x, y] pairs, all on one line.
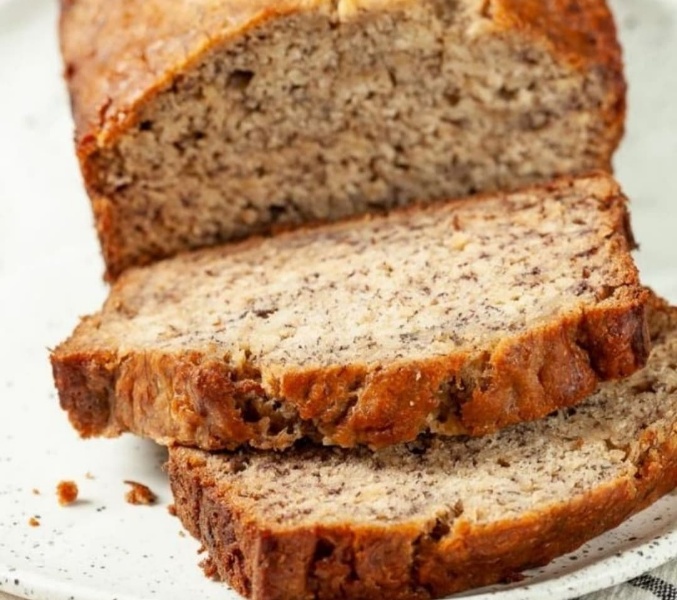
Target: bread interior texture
{"points": [[325, 113]]}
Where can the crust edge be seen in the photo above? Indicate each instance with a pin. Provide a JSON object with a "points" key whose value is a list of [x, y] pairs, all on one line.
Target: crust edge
{"points": [[406, 560]]}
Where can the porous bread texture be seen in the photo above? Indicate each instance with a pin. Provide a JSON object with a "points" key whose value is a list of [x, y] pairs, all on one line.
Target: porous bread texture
{"points": [[461, 317], [438, 515], [211, 120]]}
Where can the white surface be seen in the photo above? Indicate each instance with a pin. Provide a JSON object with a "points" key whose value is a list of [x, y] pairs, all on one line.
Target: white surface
{"points": [[50, 272]]}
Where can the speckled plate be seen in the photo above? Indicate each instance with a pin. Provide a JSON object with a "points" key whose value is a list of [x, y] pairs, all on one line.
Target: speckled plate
{"points": [[102, 548]]}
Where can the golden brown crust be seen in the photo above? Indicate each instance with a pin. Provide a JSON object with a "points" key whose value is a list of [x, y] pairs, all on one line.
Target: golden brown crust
{"points": [[583, 32], [191, 399], [401, 561], [88, 391]]}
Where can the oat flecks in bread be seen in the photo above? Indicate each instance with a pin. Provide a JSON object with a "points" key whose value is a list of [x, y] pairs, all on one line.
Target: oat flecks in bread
{"points": [[438, 515], [460, 318], [209, 121]]}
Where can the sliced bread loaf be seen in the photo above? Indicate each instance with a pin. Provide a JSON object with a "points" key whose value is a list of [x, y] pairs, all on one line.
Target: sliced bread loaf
{"points": [[201, 120], [461, 317], [438, 515]]}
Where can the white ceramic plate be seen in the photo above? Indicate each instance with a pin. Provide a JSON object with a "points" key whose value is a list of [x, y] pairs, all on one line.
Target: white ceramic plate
{"points": [[50, 272]]}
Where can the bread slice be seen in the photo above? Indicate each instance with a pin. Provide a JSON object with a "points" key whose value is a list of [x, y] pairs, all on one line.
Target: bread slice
{"points": [[439, 515], [201, 121], [457, 318]]}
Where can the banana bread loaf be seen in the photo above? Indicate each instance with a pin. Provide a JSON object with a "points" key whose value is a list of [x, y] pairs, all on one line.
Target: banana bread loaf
{"points": [[459, 317], [438, 515], [201, 121]]}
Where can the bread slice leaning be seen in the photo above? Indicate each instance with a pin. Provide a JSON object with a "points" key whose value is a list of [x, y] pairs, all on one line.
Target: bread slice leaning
{"points": [[439, 515], [199, 121], [458, 318]]}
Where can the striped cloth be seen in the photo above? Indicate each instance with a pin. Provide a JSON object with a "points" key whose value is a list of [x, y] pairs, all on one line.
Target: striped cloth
{"points": [[660, 584]]}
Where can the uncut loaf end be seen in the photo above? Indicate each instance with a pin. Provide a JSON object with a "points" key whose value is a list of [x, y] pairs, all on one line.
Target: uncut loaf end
{"points": [[457, 318], [438, 515], [200, 121]]}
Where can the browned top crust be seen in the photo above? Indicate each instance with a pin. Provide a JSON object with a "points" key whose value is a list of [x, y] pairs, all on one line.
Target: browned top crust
{"points": [[118, 55], [583, 31]]}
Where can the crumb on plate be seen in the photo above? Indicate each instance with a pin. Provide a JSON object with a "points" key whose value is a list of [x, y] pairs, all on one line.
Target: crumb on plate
{"points": [[139, 493], [66, 492], [34, 522]]}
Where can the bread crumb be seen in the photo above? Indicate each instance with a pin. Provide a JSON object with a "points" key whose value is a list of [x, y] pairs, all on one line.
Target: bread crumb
{"points": [[171, 509], [182, 533], [139, 494], [209, 569], [36, 491], [66, 492], [88, 475], [34, 522]]}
